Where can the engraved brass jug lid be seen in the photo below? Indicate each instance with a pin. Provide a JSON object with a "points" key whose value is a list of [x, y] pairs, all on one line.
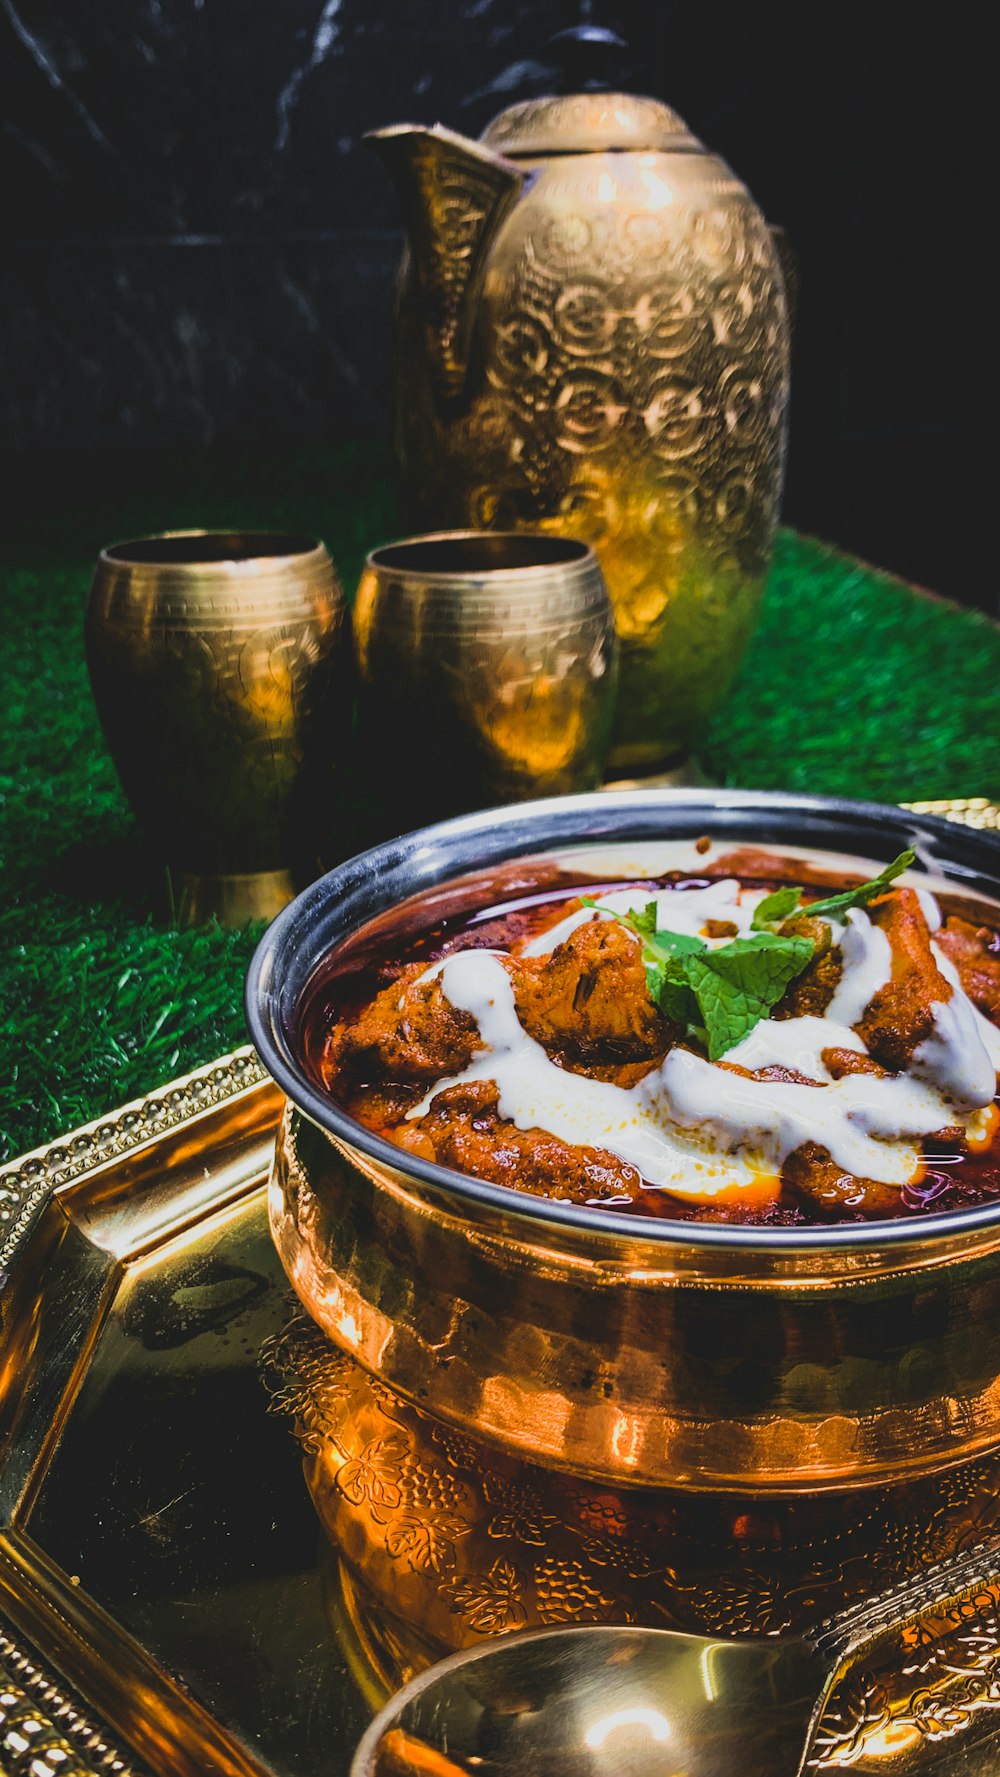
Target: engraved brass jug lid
{"points": [[584, 123]]}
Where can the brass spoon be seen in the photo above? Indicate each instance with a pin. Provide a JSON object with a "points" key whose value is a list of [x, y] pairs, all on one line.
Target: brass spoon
{"points": [[618, 1702]]}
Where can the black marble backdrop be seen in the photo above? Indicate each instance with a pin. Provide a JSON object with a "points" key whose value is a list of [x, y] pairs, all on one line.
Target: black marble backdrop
{"points": [[200, 250]]}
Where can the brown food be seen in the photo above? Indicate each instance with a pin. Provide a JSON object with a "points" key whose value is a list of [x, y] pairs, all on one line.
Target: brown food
{"points": [[901, 1017], [754, 865], [410, 1032], [587, 1002], [818, 931], [839, 1062], [466, 1131], [831, 1195], [975, 952], [783, 1076], [811, 992]]}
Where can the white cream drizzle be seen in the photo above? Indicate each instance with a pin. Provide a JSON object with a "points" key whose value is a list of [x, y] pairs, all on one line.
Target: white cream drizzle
{"points": [[677, 910], [536, 1094], [962, 1054], [868, 1125], [695, 1127], [867, 960], [795, 1043], [929, 908]]}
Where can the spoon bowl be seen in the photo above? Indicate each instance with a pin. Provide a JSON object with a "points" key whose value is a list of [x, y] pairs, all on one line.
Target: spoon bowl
{"points": [[604, 1701], [600, 1702]]}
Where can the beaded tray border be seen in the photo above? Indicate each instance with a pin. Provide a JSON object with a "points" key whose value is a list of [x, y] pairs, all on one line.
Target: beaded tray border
{"points": [[25, 1185], [44, 1727]]}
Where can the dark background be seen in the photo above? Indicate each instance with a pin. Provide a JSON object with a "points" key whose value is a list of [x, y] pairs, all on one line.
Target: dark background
{"points": [[200, 251]]}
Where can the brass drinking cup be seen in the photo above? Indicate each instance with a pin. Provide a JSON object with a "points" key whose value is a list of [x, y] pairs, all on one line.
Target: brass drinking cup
{"points": [[487, 670], [221, 673]]}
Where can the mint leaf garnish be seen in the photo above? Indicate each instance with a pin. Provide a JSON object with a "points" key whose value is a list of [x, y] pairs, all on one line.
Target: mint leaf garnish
{"points": [[643, 923], [775, 907], [738, 984], [783, 903], [716, 996], [673, 996], [865, 891]]}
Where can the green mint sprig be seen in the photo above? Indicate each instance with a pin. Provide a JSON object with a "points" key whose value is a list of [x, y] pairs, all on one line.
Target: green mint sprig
{"points": [[785, 903], [716, 996]]}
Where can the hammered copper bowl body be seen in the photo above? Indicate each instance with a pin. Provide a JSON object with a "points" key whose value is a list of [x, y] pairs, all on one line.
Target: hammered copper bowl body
{"points": [[437, 1541], [652, 1353], [487, 669]]}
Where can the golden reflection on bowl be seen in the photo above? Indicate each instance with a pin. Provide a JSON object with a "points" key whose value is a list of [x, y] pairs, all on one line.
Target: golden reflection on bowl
{"points": [[436, 1542], [738, 1367], [630, 1352]]}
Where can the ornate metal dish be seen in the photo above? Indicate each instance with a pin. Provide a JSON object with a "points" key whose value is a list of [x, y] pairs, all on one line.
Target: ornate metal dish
{"points": [[637, 1352], [161, 1601], [164, 1607]]}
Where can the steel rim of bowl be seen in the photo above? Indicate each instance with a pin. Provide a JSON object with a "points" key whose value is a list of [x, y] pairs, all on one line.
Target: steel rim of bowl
{"points": [[276, 1052]]}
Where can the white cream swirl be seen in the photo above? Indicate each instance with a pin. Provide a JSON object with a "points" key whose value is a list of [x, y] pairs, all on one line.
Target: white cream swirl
{"points": [[697, 1128]]}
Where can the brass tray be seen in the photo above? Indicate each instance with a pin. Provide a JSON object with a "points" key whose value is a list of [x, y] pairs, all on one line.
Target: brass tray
{"points": [[166, 1606], [161, 1599], [165, 1597]]}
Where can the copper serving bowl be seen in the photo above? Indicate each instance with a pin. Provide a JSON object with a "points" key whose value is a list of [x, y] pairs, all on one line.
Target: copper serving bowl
{"points": [[661, 1353], [436, 1542]]}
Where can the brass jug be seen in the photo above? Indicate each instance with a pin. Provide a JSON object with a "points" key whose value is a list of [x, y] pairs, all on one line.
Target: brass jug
{"points": [[592, 339]]}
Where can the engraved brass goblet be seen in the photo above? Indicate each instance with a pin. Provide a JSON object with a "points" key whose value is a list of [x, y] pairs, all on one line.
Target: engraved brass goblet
{"points": [[220, 669], [487, 670]]}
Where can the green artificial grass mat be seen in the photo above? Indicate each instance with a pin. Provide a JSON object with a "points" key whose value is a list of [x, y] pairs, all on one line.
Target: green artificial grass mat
{"points": [[854, 685]]}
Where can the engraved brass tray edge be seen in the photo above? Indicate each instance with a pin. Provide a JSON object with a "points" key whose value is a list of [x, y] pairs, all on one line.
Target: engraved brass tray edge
{"points": [[45, 1721], [40, 1711], [27, 1181]]}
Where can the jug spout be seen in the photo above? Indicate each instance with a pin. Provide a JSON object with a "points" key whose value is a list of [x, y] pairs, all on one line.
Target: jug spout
{"points": [[454, 193]]}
